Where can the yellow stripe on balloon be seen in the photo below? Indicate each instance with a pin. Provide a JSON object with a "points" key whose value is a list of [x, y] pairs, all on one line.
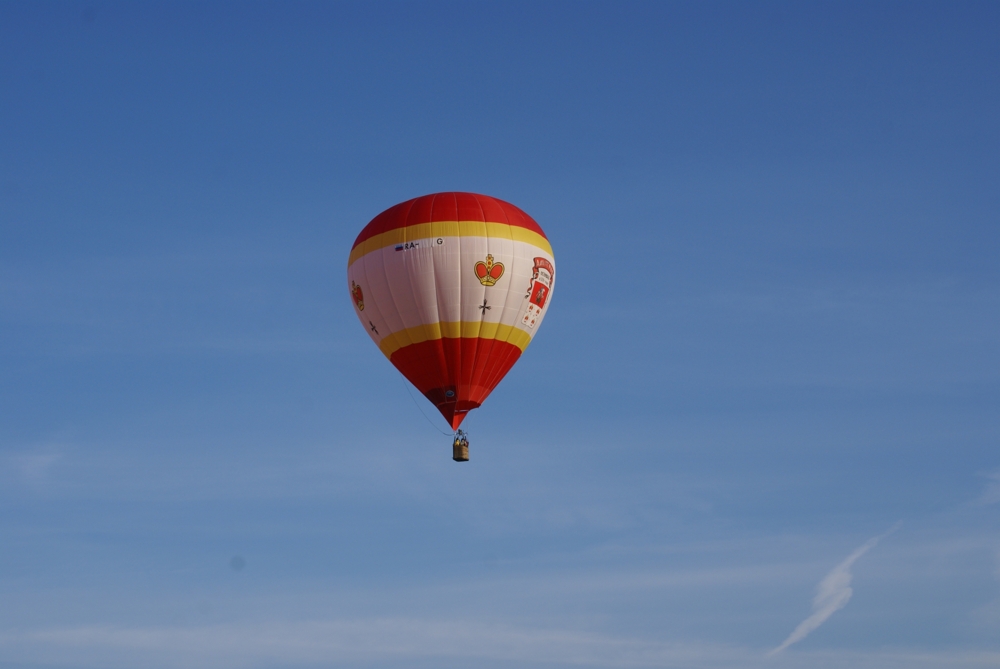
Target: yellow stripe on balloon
{"points": [[453, 330], [448, 229]]}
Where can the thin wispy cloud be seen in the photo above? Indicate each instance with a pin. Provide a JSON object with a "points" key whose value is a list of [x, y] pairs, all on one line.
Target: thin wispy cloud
{"points": [[30, 468], [991, 494], [418, 643], [833, 593]]}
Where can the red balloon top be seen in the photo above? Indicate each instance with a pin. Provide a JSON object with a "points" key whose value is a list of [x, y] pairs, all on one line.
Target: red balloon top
{"points": [[448, 207]]}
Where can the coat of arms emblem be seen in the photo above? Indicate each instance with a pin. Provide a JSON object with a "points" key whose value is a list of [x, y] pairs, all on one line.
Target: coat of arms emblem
{"points": [[542, 275], [357, 296]]}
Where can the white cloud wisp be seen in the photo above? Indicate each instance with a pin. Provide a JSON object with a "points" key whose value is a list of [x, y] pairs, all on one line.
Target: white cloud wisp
{"points": [[832, 594], [991, 495]]}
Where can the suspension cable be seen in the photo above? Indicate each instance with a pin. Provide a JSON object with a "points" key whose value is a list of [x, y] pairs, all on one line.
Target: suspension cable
{"points": [[410, 393]]}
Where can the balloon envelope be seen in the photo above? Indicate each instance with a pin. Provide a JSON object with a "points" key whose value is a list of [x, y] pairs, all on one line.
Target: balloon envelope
{"points": [[452, 287]]}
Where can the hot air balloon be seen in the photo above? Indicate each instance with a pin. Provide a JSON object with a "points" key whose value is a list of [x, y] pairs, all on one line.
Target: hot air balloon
{"points": [[452, 287]]}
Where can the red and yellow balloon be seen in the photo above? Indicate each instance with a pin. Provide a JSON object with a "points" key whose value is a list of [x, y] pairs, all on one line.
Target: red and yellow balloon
{"points": [[452, 287]]}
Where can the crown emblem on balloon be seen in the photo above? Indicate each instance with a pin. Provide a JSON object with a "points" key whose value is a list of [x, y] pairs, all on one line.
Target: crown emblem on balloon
{"points": [[358, 296], [488, 272]]}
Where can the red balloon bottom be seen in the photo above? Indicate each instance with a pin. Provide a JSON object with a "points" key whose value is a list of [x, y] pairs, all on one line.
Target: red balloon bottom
{"points": [[456, 375]]}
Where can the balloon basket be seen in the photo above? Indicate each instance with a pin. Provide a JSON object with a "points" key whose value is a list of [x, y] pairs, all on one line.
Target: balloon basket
{"points": [[460, 447]]}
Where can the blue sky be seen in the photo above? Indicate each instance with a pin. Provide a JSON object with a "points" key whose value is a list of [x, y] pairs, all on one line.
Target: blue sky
{"points": [[766, 392]]}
